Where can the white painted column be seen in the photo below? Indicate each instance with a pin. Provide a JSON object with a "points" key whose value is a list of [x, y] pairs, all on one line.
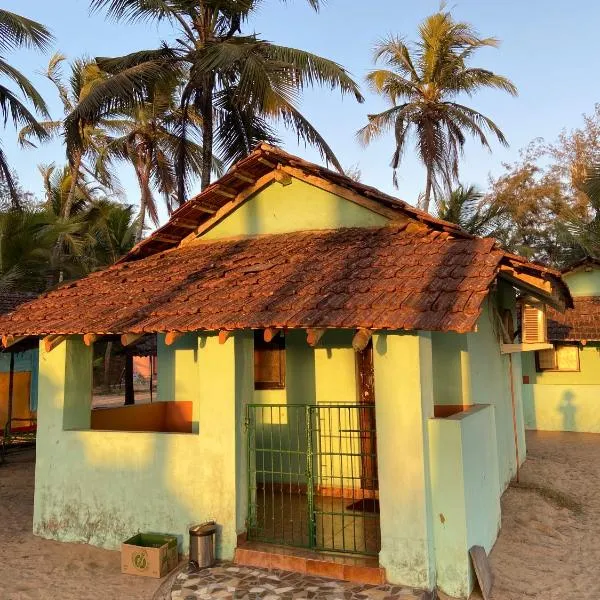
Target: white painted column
{"points": [[404, 403]]}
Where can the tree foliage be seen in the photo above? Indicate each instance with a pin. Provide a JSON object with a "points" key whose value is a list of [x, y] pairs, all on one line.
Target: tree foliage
{"points": [[243, 87], [423, 83]]}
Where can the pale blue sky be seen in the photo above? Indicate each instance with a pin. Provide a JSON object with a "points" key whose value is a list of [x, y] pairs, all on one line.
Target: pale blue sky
{"points": [[549, 49]]}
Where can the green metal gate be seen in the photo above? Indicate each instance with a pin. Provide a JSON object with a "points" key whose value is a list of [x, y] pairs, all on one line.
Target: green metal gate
{"points": [[313, 476]]}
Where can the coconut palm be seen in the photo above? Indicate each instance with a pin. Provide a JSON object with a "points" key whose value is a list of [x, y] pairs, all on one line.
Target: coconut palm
{"points": [[242, 86], [468, 207], [88, 158], [18, 32], [423, 83], [147, 137]]}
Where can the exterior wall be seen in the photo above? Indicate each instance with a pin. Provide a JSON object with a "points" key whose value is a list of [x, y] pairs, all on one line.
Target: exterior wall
{"points": [[404, 402], [451, 376], [465, 493], [490, 383], [295, 207], [564, 401], [101, 487], [584, 283]]}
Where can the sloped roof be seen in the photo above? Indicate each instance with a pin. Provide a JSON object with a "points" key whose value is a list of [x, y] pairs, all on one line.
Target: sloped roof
{"points": [[250, 170], [580, 323], [391, 277]]}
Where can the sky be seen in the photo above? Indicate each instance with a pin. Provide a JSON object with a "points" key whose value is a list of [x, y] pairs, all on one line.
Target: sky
{"points": [[548, 49]]}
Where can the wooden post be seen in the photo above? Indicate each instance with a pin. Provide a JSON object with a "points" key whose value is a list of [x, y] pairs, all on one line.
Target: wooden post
{"points": [[514, 411], [11, 387], [129, 393]]}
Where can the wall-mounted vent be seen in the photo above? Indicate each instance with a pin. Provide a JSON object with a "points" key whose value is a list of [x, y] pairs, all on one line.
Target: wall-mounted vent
{"points": [[533, 323]]}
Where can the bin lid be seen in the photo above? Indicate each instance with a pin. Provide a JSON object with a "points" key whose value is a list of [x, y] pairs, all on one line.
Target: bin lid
{"points": [[203, 529]]}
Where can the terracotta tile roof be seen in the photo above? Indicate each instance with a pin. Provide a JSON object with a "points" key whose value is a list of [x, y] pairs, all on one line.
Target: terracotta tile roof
{"points": [[11, 300], [580, 323], [260, 162], [392, 277]]}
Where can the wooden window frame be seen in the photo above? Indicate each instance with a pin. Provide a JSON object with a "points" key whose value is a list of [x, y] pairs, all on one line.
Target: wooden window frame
{"points": [[276, 344], [557, 369]]}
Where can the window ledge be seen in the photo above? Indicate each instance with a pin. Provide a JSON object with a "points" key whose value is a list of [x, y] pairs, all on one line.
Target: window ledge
{"points": [[512, 348]]}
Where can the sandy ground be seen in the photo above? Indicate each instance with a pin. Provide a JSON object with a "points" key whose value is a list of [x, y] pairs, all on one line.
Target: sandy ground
{"points": [[549, 547], [32, 568]]}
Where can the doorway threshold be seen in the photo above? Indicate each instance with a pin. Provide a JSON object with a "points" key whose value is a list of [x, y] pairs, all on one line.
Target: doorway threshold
{"points": [[358, 569]]}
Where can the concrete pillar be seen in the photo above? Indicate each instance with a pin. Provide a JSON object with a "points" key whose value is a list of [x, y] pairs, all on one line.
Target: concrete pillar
{"points": [[225, 386], [403, 404]]}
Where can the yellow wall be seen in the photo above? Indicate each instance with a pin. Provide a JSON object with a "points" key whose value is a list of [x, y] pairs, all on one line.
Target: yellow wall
{"points": [[21, 389], [295, 207]]}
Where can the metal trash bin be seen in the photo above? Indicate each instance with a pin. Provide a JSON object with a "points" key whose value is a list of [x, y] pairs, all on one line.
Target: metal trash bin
{"points": [[202, 544]]}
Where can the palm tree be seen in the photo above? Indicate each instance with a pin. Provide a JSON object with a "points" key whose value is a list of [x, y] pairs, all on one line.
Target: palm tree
{"points": [[422, 82], [240, 85], [25, 249], [88, 159], [468, 207], [19, 32], [147, 137]]}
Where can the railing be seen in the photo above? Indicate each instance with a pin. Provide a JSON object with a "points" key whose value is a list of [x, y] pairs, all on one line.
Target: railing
{"points": [[313, 476]]}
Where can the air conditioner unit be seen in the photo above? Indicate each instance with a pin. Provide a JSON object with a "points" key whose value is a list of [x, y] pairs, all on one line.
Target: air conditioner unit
{"points": [[533, 323]]}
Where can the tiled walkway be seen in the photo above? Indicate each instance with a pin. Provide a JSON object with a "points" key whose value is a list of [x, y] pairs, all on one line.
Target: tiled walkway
{"points": [[227, 582]]}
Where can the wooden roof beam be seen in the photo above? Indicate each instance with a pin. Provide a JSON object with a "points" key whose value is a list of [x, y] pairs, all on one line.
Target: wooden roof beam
{"points": [[130, 338], [90, 338], [313, 336], [200, 208], [52, 341], [264, 161], [271, 333], [243, 177], [172, 337], [361, 339], [11, 340], [282, 177], [224, 335], [226, 192]]}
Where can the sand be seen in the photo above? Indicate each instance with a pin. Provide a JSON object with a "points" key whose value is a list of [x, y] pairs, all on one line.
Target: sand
{"points": [[549, 546], [32, 568]]}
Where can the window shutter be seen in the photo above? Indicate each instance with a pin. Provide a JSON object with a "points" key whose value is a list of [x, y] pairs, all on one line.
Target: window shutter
{"points": [[546, 360], [533, 324], [567, 358], [269, 362]]}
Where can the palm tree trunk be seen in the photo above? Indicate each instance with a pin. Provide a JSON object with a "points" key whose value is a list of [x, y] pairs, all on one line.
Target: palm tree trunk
{"points": [[207, 132], [144, 183], [428, 186], [74, 181]]}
